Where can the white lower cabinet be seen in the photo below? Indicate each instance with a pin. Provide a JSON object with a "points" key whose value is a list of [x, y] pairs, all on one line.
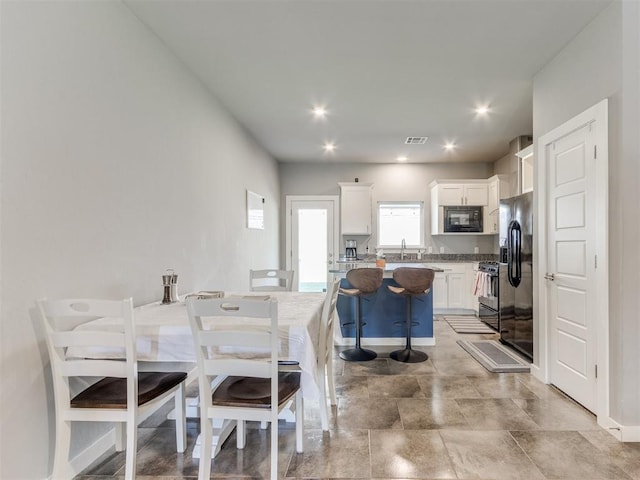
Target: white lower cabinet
{"points": [[440, 291], [452, 287], [456, 290]]}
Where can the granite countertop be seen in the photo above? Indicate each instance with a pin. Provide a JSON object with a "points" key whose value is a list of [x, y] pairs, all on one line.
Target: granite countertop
{"points": [[389, 267], [428, 258]]}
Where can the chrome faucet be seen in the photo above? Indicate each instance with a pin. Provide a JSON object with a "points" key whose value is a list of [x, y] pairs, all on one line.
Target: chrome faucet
{"points": [[403, 246]]}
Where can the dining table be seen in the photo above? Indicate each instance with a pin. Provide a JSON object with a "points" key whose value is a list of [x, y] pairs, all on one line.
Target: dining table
{"points": [[164, 341]]}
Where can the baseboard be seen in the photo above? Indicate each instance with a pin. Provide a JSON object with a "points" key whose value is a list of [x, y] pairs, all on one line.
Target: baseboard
{"points": [[624, 433], [630, 433], [392, 341], [537, 373], [90, 454]]}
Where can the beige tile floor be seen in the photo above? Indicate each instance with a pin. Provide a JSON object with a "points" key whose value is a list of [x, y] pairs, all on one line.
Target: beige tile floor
{"points": [[446, 418]]}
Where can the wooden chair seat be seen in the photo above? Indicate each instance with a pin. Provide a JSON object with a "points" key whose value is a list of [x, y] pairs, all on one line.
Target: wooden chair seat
{"points": [[255, 392], [364, 281], [353, 292], [398, 290], [412, 281], [111, 392]]}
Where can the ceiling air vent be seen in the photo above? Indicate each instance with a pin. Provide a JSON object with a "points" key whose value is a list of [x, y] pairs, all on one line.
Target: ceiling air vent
{"points": [[416, 140]]}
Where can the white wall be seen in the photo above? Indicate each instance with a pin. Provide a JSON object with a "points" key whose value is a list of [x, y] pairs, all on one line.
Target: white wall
{"points": [[116, 164], [391, 182], [602, 62]]}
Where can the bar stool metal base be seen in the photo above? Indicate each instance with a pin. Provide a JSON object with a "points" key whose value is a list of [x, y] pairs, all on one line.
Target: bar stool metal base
{"points": [[408, 355], [358, 355]]}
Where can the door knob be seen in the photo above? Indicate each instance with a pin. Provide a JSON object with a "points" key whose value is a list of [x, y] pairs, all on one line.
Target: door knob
{"points": [[550, 276]]}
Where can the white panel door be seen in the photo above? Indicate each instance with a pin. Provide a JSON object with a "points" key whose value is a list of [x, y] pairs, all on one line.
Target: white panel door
{"points": [[571, 265], [312, 243]]}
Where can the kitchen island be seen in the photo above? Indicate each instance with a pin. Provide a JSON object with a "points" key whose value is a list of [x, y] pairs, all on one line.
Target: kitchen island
{"points": [[384, 314]]}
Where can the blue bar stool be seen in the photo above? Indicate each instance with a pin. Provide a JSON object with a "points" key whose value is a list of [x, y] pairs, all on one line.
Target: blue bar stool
{"points": [[413, 282], [365, 281]]}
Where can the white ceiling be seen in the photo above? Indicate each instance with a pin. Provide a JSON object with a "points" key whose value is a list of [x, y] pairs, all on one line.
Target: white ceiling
{"points": [[385, 70]]}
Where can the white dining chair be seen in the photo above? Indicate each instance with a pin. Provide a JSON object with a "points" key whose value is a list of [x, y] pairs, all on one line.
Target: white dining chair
{"points": [[237, 386], [122, 395], [271, 280], [325, 353]]}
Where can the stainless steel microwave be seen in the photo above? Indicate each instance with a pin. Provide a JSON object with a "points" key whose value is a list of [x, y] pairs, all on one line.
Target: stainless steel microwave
{"points": [[462, 219]]}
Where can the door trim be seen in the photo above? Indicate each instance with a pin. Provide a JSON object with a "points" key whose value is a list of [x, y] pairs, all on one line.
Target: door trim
{"points": [[289, 199], [599, 114]]}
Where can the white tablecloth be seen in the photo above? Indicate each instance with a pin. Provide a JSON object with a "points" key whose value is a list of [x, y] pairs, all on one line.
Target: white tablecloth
{"points": [[163, 333]]}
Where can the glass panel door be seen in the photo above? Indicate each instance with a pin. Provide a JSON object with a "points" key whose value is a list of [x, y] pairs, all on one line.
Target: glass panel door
{"points": [[311, 244], [312, 248]]}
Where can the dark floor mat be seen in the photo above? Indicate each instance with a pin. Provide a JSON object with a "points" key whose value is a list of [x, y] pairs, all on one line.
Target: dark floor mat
{"points": [[494, 357]]}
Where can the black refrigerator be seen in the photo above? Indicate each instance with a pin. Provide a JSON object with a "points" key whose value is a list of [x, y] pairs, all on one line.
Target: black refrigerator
{"points": [[516, 275]]}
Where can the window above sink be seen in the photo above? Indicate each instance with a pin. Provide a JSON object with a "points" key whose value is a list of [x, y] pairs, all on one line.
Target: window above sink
{"points": [[398, 221]]}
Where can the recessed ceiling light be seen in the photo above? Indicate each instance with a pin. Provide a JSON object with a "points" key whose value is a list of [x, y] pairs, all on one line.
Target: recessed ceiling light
{"points": [[319, 111], [329, 147], [449, 146], [401, 158], [482, 109]]}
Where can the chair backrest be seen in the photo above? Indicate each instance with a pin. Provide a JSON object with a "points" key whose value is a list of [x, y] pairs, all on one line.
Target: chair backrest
{"points": [[62, 319], [244, 346], [271, 280], [367, 280], [327, 320], [414, 280]]}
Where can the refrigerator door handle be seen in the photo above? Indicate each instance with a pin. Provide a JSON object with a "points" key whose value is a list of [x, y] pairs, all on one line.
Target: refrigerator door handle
{"points": [[518, 276], [514, 236], [509, 251]]}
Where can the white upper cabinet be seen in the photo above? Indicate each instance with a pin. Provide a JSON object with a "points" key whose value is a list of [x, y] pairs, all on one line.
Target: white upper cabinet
{"points": [[356, 208], [475, 194], [494, 195], [498, 189], [452, 194], [526, 169]]}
